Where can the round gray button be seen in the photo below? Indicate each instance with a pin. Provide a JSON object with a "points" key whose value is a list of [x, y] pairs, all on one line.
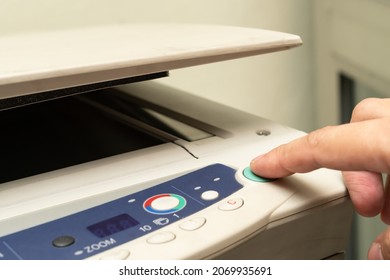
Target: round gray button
{"points": [[63, 241]]}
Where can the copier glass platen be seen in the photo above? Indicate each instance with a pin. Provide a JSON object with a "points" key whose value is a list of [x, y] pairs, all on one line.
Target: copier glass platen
{"points": [[100, 160]]}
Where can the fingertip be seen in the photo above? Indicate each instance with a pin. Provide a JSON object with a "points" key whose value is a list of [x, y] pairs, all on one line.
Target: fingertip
{"points": [[366, 191], [267, 166], [255, 160], [255, 164], [380, 248], [375, 252]]}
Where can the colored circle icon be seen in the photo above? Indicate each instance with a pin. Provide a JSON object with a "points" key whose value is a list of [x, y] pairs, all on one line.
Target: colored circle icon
{"points": [[163, 204]]}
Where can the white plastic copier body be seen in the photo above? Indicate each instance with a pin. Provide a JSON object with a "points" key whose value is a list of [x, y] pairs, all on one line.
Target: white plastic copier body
{"points": [[99, 162]]}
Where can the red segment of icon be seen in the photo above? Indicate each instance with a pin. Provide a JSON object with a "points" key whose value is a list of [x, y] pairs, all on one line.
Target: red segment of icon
{"points": [[148, 202]]}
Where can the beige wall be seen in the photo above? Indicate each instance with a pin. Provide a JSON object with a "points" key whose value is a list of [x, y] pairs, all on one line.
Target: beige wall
{"points": [[276, 86], [351, 37]]}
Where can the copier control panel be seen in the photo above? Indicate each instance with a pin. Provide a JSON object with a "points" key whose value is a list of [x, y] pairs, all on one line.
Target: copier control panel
{"points": [[106, 226]]}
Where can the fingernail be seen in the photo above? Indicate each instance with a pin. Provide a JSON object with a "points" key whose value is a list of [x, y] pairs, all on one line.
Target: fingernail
{"points": [[375, 252], [256, 159]]}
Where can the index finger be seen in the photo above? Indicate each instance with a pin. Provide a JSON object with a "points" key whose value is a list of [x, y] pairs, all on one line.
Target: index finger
{"points": [[350, 147]]}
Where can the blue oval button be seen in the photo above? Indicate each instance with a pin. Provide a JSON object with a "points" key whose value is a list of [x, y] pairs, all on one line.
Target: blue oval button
{"points": [[253, 177]]}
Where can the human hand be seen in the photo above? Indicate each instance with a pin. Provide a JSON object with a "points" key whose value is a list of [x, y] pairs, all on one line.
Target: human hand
{"points": [[360, 149], [380, 248]]}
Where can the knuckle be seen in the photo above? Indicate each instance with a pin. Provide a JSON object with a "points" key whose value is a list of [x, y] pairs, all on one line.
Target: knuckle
{"points": [[316, 143], [315, 139], [364, 109]]}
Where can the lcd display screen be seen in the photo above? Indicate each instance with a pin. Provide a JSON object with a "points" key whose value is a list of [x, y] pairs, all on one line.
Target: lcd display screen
{"points": [[113, 225]]}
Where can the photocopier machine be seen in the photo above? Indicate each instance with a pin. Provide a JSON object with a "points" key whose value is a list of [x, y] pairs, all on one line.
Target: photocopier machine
{"points": [[100, 160]]}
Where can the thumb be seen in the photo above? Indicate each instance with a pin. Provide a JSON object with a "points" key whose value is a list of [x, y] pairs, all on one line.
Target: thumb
{"points": [[380, 248], [366, 191]]}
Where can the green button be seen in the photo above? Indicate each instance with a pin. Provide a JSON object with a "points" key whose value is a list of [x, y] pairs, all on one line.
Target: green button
{"points": [[253, 177]]}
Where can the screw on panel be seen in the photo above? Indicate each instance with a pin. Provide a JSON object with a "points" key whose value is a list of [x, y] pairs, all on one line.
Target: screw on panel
{"points": [[263, 132]]}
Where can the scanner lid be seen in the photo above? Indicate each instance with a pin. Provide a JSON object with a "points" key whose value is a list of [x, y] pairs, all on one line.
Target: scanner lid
{"points": [[42, 62]]}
